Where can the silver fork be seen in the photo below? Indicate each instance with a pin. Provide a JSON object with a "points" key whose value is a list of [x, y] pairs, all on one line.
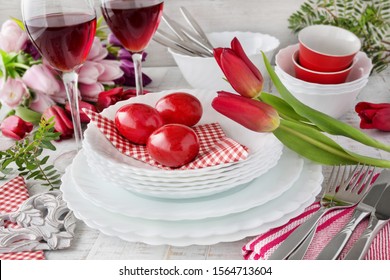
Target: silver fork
{"points": [[345, 188]]}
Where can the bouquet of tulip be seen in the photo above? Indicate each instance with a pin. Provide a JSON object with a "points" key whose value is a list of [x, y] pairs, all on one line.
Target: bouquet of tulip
{"points": [[30, 88], [299, 127]]}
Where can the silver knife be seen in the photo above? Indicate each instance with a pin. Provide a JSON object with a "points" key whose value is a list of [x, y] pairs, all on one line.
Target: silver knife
{"points": [[363, 209], [379, 218]]}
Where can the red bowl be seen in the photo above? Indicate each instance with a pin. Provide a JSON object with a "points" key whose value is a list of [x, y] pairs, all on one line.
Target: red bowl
{"points": [[311, 76], [327, 48]]}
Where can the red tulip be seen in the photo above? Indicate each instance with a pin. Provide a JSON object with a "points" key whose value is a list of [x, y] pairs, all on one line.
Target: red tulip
{"points": [[375, 116], [63, 122], [252, 114], [241, 73], [16, 128], [112, 96], [82, 104]]}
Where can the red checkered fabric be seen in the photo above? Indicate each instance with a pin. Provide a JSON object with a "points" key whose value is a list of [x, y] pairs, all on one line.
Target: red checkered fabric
{"points": [[12, 195], [215, 147]]}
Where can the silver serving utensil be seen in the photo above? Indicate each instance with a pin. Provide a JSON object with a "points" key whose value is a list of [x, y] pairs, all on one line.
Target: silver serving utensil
{"points": [[169, 44], [363, 209], [195, 26], [183, 44], [378, 220], [185, 35]]}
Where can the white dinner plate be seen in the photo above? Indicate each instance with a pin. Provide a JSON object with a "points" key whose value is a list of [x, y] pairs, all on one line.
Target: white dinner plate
{"points": [[259, 191], [301, 194]]}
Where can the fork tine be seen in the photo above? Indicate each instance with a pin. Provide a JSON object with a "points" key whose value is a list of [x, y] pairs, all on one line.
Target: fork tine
{"points": [[364, 183], [351, 178]]}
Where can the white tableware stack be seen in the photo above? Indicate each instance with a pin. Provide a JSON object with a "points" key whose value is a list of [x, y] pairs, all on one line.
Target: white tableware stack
{"points": [[123, 197]]}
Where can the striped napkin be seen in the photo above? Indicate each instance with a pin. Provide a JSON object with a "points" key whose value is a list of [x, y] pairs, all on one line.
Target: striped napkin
{"points": [[215, 147], [12, 195], [261, 247]]}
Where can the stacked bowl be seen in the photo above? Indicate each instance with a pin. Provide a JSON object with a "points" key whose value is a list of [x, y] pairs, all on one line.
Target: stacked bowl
{"points": [[325, 70]]}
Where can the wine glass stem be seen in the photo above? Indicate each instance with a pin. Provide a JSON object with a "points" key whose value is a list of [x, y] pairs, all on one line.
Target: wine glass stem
{"points": [[137, 60], [70, 80]]}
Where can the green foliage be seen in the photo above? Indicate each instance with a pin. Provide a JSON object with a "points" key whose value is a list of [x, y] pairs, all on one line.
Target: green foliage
{"points": [[26, 156], [368, 19]]}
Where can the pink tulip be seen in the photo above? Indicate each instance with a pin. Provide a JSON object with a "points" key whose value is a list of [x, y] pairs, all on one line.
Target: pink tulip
{"points": [[13, 92], [90, 72], [41, 78], [82, 105], [98, 52], [41, 102], [16, 128], [241, 73], [91, 92], [63, 123], [12, 37], [112, 71], [250, 113]]}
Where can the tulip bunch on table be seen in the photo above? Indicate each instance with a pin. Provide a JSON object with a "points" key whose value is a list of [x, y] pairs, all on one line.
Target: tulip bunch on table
{"points": [[30, 88], [296, 125]]}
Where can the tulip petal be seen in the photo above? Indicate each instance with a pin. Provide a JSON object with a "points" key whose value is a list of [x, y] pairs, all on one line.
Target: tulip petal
{"points": [[239, 75], [381, 120], [237, 48], [252, 114]]}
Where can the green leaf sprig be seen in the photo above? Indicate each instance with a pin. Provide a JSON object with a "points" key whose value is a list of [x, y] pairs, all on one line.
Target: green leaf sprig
{"points": [[26, 155], [303, 130], [367, 19]]}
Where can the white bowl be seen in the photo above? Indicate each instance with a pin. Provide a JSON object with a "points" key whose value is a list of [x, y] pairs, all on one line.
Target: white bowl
{"points": [[359, 73], [204, 72], [332, 99]]}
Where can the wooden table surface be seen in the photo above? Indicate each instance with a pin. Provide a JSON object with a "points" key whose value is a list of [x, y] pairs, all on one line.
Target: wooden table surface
{"points": [[91, 244]]}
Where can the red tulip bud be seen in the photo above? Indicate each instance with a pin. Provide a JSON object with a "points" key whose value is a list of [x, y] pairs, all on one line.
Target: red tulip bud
{"points": [[63, 122], [82, 104], [375, 116], [239, 70], [16, 128], [252, 114]]}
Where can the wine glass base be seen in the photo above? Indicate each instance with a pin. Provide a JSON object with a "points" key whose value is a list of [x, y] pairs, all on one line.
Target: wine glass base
{"points": [[64, 160]]}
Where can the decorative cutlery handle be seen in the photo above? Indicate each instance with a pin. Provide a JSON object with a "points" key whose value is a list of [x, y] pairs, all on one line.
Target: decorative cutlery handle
{"points": [[300, 252], [337, 244], [296, 237], [359, 250]]}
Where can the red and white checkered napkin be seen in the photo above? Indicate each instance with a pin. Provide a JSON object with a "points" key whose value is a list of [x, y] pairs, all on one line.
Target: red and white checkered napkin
{"points": [[261, 247], [215, 147], [12, 195]]}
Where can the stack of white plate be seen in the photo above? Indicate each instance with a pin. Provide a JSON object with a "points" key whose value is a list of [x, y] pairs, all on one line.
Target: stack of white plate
{"points": [[136, 202]]}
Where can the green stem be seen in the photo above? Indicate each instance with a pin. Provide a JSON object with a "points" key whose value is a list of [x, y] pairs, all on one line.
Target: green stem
{"points": [[19, 65]]}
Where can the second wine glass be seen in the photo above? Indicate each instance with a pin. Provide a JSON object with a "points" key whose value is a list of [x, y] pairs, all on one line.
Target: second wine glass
{"points": [[134, 23]]}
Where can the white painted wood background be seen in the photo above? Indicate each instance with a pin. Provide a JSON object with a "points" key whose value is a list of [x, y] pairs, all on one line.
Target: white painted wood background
{"points": [[265, 16]]}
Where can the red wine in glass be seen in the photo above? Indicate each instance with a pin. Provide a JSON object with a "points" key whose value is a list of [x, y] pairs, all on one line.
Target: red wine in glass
{"points": [[134, 23], [64, 40]]}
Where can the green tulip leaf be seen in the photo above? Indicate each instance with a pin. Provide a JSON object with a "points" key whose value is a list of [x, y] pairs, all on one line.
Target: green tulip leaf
{"points": [[28, 115], [284, 109], [321, 120], [316, 146]]}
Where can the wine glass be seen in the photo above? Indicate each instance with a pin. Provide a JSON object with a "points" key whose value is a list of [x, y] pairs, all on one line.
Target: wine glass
{"points": [[63, 32], [134, 23]]}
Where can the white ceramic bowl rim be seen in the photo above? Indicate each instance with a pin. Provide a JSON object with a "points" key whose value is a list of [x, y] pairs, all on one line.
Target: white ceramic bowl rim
{"points": [[329, 40]]}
